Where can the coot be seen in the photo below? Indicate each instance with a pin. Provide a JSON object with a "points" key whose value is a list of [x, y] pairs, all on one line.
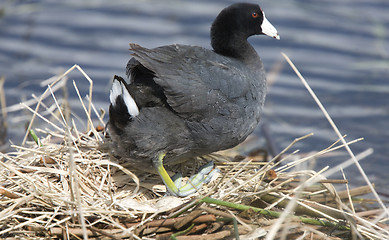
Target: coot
{"points": [[186, 101]]}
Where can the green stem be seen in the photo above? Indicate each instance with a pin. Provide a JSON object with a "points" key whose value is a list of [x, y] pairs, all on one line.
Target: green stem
{"points": [[174, 235], [35, 137], [274, 214]]}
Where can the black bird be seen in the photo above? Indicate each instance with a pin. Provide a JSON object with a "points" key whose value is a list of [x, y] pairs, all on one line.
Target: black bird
{"points": [[186, 101]]}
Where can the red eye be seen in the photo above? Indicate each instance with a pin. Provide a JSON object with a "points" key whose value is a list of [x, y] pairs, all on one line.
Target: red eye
{"points": [[255, 15]]}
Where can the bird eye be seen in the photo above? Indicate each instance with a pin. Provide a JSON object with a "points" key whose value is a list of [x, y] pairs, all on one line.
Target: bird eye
{"points": [[255, 15]]}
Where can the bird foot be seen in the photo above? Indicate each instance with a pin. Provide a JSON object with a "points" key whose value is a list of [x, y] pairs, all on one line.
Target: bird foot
{"points": [[194, 183]]}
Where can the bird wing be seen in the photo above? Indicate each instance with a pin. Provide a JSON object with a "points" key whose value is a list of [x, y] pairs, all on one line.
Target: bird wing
{"points": [[197, 82]]}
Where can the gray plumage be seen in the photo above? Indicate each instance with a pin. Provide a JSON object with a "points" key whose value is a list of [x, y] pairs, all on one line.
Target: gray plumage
{"points": [[192, 101]]}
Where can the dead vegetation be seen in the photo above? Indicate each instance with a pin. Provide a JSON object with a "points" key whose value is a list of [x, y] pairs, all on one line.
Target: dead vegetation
{"points": [[62, 186]]}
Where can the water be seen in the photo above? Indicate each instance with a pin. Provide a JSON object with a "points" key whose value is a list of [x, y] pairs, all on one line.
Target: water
{"points": [[341, 48]]}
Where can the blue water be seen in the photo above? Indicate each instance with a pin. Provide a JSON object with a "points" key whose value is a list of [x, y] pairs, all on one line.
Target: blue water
{"points": [[340, 47]]}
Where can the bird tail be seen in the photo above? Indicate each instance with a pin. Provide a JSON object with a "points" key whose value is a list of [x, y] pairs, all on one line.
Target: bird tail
{"points": [[123, 107]]}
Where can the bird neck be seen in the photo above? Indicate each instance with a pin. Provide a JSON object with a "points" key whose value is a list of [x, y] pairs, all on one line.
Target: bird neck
{"points": [[232, 45]]}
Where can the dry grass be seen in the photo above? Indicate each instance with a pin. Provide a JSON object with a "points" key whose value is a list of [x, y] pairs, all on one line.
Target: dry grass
{"points": [[63, 186]]}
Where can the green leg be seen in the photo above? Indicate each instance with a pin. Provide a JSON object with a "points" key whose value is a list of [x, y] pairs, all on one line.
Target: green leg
{"points": [[194, 183]]}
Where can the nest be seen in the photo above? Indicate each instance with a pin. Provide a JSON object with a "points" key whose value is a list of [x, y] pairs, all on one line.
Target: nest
{"points": [[63, 186]]}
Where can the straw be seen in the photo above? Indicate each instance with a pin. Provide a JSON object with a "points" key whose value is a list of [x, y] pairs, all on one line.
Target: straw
{"points": [[63, 185]]}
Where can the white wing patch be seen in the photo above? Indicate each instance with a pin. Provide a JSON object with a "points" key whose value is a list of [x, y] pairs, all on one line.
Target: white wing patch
{"points": [[118, 89]]}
